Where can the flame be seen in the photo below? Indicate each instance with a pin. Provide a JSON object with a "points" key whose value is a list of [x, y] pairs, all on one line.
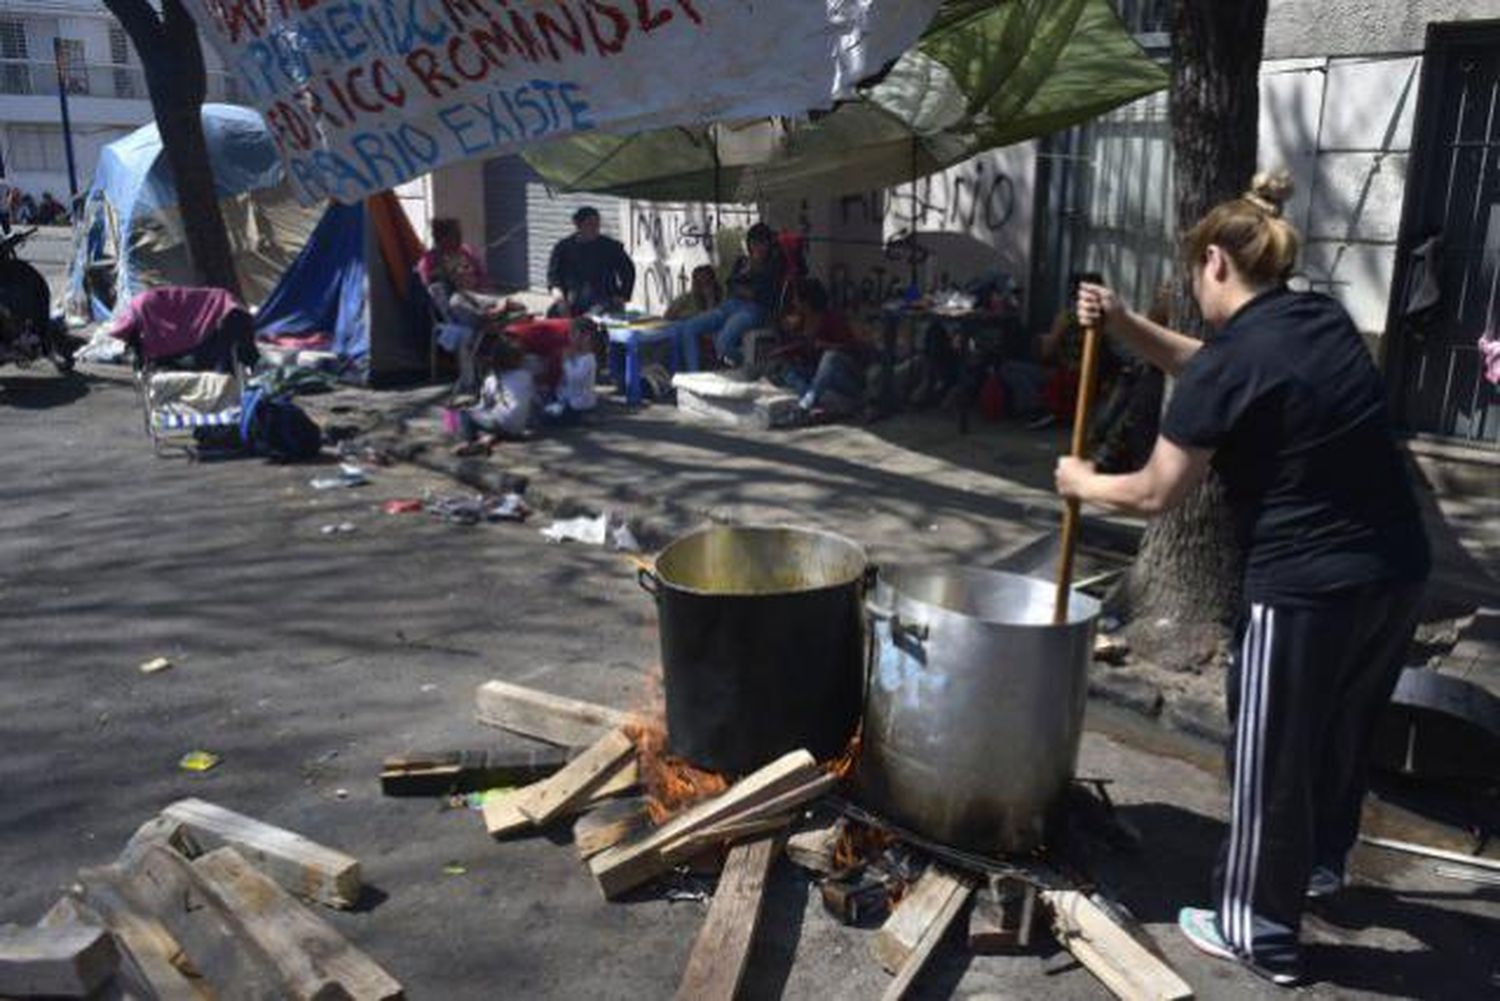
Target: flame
{"points": [[672, 785], [859, 844], [843, 765]]}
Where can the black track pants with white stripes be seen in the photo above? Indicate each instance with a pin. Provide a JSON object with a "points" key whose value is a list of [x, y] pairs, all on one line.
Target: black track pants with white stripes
{"points": [[1307, 685]]}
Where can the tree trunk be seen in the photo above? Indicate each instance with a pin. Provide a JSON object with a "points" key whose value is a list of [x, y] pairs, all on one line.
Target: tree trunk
{"points": [[172, 58], [1183, 591]]}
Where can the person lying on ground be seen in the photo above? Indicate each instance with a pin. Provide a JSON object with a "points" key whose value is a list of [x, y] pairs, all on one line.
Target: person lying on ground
{"points": [[823, 359], [506, 400], [754, 287], [589, 272], [1285, 403], [703, 294], [454, 275]]}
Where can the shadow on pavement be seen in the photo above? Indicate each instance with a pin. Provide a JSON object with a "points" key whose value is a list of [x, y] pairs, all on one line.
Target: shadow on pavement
{"points": [[42, 391]]}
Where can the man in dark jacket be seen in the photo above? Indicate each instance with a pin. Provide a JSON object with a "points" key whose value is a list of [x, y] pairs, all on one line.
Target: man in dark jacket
{"points": [[588, 270]]}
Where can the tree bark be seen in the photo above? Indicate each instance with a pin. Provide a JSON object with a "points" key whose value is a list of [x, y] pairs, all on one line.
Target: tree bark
{"points": [[177, 80], [1183, 591]]}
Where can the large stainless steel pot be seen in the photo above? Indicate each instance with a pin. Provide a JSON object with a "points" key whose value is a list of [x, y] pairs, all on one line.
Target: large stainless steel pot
{"points": [[761, 643], [974, 705]]}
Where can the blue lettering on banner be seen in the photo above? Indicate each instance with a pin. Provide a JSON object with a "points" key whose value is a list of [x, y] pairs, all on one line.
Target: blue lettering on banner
{"points": [[578, 108], [460, 121], [504, 105], [343, 23], [412, 137], [372, 151]]}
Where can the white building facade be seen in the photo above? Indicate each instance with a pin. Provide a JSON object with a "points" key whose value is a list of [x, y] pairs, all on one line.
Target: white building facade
{"points": [[105, 86]]}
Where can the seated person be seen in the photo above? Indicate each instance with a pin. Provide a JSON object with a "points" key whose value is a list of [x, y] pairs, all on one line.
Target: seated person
{"points": [[1044, 390], [455, 278], [754, 287], [703, 295], [505, 402], [824, 360], [199, 328], [589, 272], [575, 389]]}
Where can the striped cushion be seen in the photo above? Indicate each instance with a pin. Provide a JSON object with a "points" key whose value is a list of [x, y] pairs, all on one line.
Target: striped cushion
{"points": [[182, 419]]}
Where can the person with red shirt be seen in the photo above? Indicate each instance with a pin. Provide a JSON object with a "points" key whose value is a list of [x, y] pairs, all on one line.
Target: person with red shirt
{"points": [[825, 358]]}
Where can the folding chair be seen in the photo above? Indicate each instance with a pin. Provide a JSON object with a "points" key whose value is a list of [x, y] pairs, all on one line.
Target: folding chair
{"points": [[189, 389]]}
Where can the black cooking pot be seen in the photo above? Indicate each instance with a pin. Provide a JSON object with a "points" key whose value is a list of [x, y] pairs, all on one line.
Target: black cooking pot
{"points": [[762, 637]]}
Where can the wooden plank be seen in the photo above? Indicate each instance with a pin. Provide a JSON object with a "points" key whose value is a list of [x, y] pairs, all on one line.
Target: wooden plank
{"points": [[723, 834], [550, 798], [609, 823], [158, 831], [1130, 970], [813, 848], [783, 803], [717, 963], [170, 890], [924, 903], [1426, 851], [555, 719], [502, 814], [441, 773], [299, 864], [926, 944], [68, 961], [1002, 917], [624, 867], [148, 951], [313, 960]]}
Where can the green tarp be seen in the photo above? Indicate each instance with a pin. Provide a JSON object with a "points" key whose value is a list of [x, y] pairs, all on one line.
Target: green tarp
{"points": [[986, 73]]}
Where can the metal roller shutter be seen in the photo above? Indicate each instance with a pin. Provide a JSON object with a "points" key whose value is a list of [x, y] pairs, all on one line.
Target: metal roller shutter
{"points": [[524, 220]]}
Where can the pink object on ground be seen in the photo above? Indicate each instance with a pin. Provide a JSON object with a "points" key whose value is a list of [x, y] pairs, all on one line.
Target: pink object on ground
{"points": [[451, 422], [1489, 356], [171, 320]]}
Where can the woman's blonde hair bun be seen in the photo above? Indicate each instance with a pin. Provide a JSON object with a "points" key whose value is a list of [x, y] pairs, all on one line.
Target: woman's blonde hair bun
{"points": [[1270, 189]]}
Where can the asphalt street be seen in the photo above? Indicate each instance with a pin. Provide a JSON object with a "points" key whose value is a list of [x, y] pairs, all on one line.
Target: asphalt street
{"points": [[303, 658]]}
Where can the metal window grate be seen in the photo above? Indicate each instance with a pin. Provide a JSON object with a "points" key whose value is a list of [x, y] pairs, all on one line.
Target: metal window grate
{"points": [[12, 38]]}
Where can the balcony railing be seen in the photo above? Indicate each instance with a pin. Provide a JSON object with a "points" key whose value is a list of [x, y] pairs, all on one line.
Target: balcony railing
{"points": [[33, 77]]}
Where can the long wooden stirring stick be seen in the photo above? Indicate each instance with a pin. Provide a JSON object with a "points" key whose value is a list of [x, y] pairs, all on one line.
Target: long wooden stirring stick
{"points": [[1081, 413]]}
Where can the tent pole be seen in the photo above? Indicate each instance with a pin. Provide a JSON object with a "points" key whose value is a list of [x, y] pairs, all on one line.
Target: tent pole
{"points": [[911, 251]]}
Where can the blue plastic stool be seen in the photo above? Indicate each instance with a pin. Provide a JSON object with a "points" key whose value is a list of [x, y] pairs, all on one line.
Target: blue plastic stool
{"points": [[625, 356]]}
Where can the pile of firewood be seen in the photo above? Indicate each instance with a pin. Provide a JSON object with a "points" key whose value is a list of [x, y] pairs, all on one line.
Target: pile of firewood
{"points": [[864, 870], [202, 903]]}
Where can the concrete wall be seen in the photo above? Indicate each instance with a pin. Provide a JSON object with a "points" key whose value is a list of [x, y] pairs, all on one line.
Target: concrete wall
{"points": [[1343, 127], [1361, 27]]}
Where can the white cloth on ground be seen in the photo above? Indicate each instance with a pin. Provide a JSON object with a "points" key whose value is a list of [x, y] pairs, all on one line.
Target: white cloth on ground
{"points": [[505, 402]]}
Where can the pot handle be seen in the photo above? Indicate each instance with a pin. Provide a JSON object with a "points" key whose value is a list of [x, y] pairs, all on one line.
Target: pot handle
{"points": [[899, 629], [648, 581]]}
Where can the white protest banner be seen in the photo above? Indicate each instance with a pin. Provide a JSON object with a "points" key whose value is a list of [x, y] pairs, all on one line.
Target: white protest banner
{"points": [[363, 94]]}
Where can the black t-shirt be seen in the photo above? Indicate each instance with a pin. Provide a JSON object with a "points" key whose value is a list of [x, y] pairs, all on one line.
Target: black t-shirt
{"points": [[592, 271], [1290, 401]]}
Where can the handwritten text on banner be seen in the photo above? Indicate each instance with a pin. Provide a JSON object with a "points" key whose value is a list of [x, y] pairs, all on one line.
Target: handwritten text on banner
{"points": [[363, 94]]}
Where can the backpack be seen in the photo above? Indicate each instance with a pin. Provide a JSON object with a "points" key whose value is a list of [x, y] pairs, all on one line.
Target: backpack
{"points": [[278, 429]]}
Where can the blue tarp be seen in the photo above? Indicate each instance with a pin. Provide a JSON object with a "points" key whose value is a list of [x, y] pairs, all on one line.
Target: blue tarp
{"points": [[324, 289]]}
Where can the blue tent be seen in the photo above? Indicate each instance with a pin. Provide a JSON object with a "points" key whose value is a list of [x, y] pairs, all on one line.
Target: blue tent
{"points": [[336, 270], [131, 236]]}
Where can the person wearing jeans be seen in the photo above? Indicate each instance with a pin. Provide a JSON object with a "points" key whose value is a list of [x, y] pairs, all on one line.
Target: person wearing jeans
{"points": [[754, 286]]}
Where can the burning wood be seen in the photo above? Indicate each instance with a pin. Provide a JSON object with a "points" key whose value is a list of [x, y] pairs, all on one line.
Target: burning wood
{"points": [[672, 784]]}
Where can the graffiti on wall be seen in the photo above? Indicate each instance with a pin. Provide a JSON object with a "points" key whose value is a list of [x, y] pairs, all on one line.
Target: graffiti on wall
{"points": [[667, 240], [976, 198]]}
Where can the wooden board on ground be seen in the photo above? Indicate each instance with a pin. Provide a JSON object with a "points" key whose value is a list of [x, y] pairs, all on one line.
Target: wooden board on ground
{"points": [[440, 773], [313, 960], [146, 972], [927, 943], [169, 890], [1002, 918], [69, 960], [301, 865], [928, 899], [723, 834], [624, 867], [553, 797], [1110, 952], [607, 824], [717, 963], [158, 831], [503, 816], [555, 719], [813, 848]]}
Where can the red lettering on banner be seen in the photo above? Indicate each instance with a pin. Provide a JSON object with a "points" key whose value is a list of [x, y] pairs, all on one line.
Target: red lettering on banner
{"points": [[607, 47], [352, 83], [690, 11], [648, 20], [496, 43], [523, 32], [455, 45], [318, 109], [388, 85], [549, 29], [424, 64], [241, 17], [341, 97]]}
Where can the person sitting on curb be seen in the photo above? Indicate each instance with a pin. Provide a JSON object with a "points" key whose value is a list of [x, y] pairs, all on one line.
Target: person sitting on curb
{"points": [[825, 360], [754, 287]]}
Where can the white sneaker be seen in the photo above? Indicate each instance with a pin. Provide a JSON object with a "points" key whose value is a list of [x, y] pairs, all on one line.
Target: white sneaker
{"points": [[1323, 882]]}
